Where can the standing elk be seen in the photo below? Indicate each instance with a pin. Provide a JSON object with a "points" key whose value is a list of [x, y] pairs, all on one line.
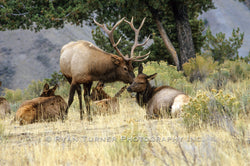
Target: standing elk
{"points": [[4, 106], [159, 101], [47, 107], [104, 103], [82, 63]]}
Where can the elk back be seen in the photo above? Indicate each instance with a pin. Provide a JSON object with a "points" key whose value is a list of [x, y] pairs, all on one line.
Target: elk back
{"points": [[41, 109], [106, 106], [4, 107]]}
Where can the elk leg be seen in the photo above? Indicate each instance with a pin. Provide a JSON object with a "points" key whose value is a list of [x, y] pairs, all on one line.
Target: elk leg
{"points": [[79, 92], [71, 96], [87, 88]]}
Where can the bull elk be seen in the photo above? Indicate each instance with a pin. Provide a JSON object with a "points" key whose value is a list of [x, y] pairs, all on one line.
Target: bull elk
{"points": [[47, 107], [104, 103], [82, 63], [159, 101], [4, 106]]}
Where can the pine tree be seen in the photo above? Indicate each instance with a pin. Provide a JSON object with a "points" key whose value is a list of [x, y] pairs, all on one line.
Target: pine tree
{"points": [[173, 24]]}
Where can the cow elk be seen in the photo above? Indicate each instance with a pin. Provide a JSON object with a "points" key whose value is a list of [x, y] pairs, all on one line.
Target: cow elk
{"points": [[4, 106], [47, 107], [104, 103], [159, 101], [82, 63]]}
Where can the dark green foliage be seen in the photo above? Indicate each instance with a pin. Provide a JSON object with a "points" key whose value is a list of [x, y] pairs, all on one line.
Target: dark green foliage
{"points": [[56, 78], [112, 11], [221, 48], [36, 15], [246, 58]]}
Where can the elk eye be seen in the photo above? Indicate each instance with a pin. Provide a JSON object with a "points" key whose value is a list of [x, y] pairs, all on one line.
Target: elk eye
{"points": [[125, 68]]}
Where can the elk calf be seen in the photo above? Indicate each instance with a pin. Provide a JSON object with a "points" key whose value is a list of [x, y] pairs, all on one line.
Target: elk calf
{"points": [[47, 107], [159, 101], [103, 102], [4, 106]]}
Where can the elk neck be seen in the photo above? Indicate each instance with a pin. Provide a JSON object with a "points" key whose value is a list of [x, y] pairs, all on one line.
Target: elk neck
{"points": [[142, 98]]}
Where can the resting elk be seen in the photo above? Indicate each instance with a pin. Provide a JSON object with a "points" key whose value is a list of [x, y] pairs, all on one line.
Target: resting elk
{"points": [[47, 107], [4, 106], [104, 103], [82, 63], [159, 101]]}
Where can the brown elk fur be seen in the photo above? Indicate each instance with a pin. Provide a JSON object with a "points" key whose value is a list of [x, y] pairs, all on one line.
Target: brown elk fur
{"points": [[98, 93], [47, 107], [82, 63], [104, 103], [159, 101], [4, 107]]}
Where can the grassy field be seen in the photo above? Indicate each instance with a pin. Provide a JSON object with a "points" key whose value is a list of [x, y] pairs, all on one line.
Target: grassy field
{"points": [[127, 138]]}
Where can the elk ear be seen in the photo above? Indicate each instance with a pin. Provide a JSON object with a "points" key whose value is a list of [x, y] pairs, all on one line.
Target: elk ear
{"points": [[115, 60], [151, 77], [140, 69], [55, 87], [46, 87]]}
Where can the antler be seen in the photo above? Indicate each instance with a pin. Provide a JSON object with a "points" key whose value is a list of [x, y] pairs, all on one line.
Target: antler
{"points": [[111, 38], [136, 44]]}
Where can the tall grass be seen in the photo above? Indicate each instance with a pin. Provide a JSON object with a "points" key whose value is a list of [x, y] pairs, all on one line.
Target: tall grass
{"points": [[127, 138]]}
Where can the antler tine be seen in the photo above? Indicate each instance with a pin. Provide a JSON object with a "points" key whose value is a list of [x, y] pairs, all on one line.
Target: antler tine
{"points": [[138, 58], [145, 42], [136, 44], [110, 34]]}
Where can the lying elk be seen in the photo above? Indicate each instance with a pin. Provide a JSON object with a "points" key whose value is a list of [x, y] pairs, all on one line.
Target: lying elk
{"points": [[159, 101], [47, 107], [105, 104], [4, 106], [82, 63]]}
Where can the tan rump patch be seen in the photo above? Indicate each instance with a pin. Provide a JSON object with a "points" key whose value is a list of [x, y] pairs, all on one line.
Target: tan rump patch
{"points": [[179, 101]]}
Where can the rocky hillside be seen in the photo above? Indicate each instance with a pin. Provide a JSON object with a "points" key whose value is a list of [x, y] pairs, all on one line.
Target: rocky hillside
{"points": [[228, 15], [27, 56]]}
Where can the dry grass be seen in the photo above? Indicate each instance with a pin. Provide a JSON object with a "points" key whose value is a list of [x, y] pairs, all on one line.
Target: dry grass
{"points": [[126, 138]]}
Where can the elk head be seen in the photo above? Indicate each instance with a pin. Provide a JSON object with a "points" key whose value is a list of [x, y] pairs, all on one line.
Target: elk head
{"points": [[127, 60], [48, 92], [141, 82]]}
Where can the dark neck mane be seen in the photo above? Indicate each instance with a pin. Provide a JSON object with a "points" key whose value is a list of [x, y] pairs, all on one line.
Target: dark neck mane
{"points": [[142, 98]]}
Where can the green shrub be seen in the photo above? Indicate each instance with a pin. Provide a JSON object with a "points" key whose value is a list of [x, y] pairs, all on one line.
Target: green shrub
{"points": [[238, 69], [13, 95], [167, 75], [211, 108], [34, 90], [221, 48], [56, 78], [199, 68]]}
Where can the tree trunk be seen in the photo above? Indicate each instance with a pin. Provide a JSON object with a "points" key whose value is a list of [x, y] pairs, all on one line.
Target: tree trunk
{"points": [[168, 43], [164, 36], [184, 31]]}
